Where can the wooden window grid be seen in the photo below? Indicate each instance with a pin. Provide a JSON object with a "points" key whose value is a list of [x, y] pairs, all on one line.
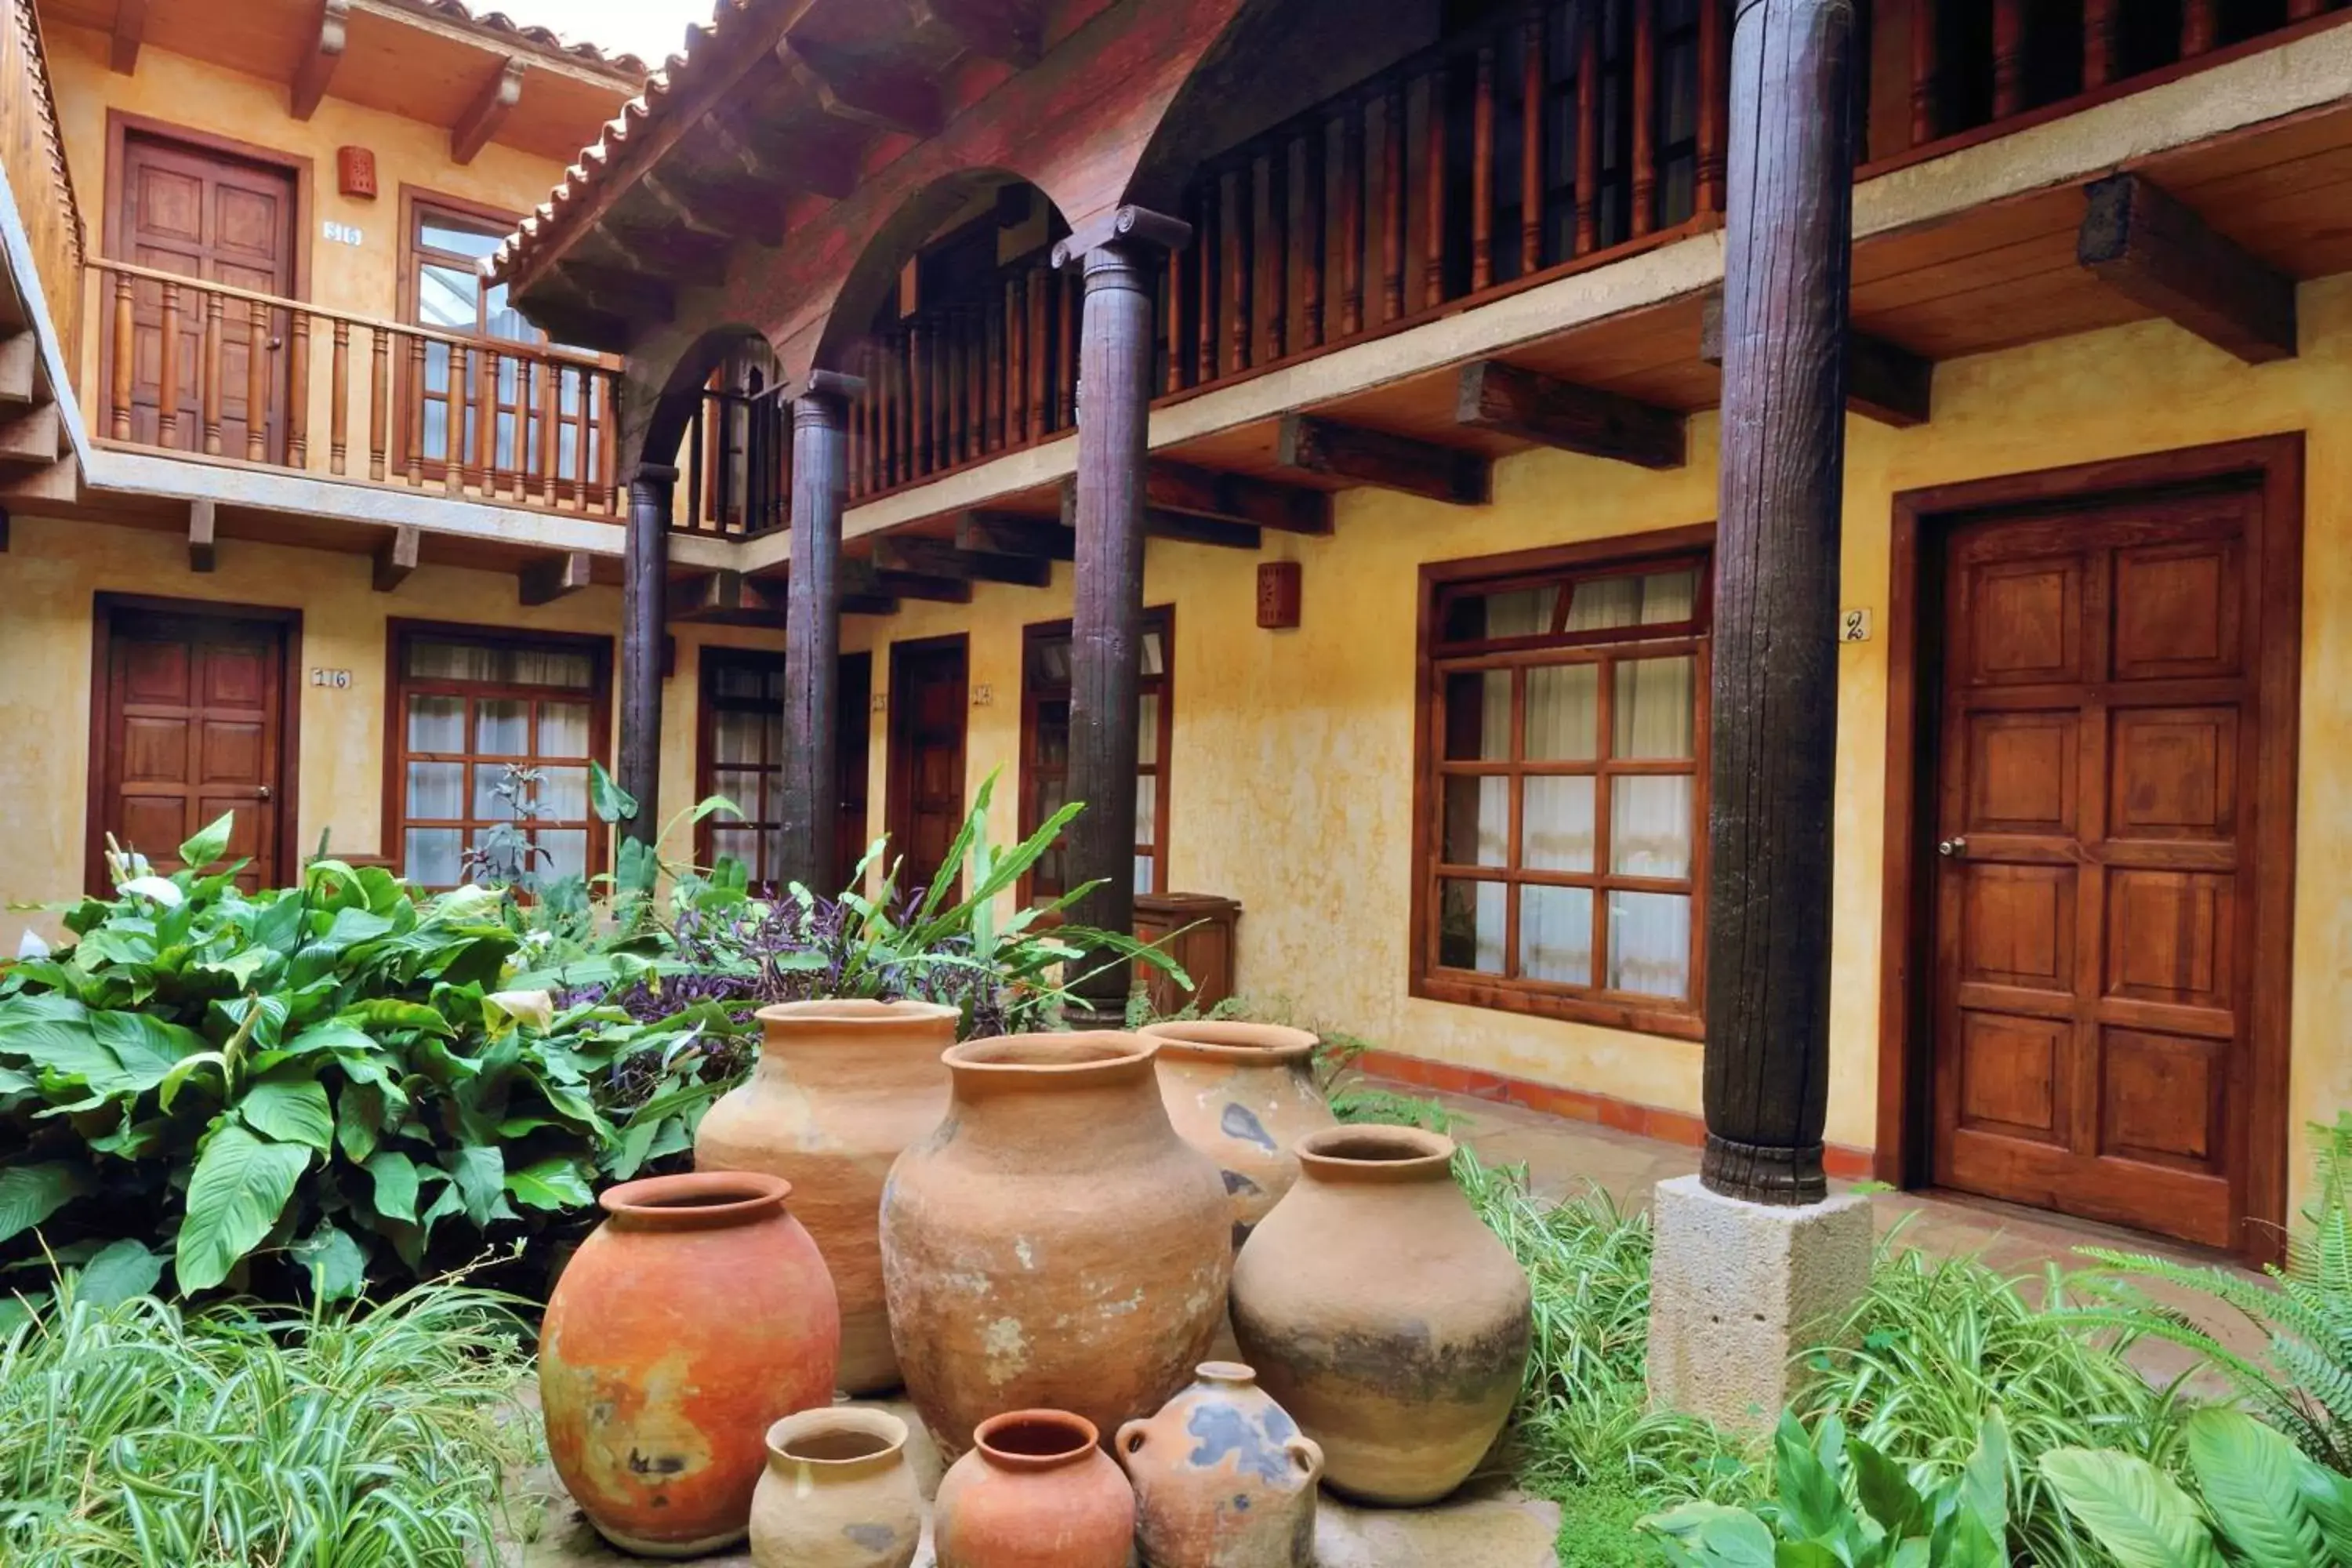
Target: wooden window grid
{"points": [[1044, 778]]}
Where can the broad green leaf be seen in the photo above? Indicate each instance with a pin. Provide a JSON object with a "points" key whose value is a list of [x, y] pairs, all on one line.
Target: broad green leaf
{"points": [[1803, 1554], [337, 1264], [479, 1175], [384, 1013], [240, 1185], [1984, 1483], [122, 1271], [187, 1066], [2131, 1508], [1808, 1492], [394, 1175], [359, 1120], [1715, 1536], [291, 1110], [551, 1184], [333, 1037], [1887, 1493], [2252, 1482], [208, 846], [607, 799], [2328, 1498], [29, 1195], [146, 1047]]}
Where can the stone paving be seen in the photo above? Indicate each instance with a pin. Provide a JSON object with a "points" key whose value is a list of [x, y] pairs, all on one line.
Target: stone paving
{"points": [[1494, 1527]]}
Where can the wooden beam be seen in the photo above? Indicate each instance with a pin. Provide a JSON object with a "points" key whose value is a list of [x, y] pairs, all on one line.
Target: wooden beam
{"points": [[58, 484], [816, 167], [676, 254], [1890, 384], [575, 323], [708, 596], [1236, 498], [1001, 534], [861, 576], [552, 577], [318, 67], [203, 522], [396, 558], [1176, 527], [488, 112], [869, 605], [902, 103], [1363, 457], [1002, 30], [2155, 250], [681, 211], [20, 367], [1536, 407], [630, 297], [937, 558], [130, 32], [33, 434]]}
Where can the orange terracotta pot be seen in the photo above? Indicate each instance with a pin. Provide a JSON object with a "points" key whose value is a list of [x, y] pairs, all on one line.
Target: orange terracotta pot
{"points": [[1383, 1315], [1243, 1094], [1053, 1242], [1223, 1476], [693, 1319], [1036, 1491], [842, 1088]]}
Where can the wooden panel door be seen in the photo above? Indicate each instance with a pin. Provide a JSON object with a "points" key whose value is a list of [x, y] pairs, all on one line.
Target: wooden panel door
{"points": [[927, 714], [213, 217], [193, 727], [2095, 898], [853, 753]]}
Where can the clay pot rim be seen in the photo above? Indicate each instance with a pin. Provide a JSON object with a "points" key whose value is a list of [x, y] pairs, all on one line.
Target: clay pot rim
{"points": [[1237, 1373], [696, 1199], [1113, 1049], [1084, 1437], [837, 1418], [860, 1015], [1222, 1040], [1365, 1152]]}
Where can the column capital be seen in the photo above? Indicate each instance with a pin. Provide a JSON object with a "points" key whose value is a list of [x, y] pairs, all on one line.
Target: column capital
{"points": [[654, 474], [828, 392], [1125, 227]]}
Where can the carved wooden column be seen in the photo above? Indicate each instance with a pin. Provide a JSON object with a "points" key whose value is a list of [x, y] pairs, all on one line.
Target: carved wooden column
{"points": [[645, 605], [1119, 255], [1788, 237], [811, 804]]}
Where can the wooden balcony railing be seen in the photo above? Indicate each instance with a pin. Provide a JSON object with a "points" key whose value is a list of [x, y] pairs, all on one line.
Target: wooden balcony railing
{"points": [[203, 368], [33, 153], [735, 466]]}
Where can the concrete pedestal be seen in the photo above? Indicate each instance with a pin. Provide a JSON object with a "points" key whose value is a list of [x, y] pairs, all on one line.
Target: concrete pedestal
{"points": [[1736, 1288]]}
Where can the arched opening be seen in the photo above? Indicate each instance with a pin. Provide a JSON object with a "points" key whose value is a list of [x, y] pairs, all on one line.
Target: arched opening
{"points": [[723, 422]]}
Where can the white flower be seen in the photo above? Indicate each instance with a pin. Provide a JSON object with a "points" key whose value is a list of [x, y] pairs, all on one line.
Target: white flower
{"points": [[536, 1008], [165, 892], [31, 945]]}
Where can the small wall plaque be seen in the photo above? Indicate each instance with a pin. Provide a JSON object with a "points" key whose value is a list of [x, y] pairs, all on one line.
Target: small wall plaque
{"points": [[334, 680], [355, 172], [1277, 595], [1853, 626]]}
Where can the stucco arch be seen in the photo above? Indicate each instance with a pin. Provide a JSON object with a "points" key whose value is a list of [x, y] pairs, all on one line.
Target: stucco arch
{"points": [[662, 391]]}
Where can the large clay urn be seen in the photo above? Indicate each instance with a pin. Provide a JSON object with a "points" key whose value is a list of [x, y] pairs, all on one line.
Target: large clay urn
{"points": [[693, 1319], [1243, 1094], [1223, 1476], [1053, 1243], [1036, 1491], [841, 1089], [838, 1493], [1380, 1312]]}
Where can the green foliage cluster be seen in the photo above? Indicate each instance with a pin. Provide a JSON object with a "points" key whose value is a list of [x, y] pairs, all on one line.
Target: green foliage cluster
{"points": [[2258, 1502]]}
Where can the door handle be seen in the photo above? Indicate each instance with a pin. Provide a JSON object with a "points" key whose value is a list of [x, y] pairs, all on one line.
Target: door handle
{"points": [[1952, 848], [262, 793]]}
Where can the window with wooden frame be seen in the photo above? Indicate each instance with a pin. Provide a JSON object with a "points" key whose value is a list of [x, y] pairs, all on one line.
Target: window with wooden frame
{"points": [[467, 705], [1560, 809], [742, 757], [1046, 747]]}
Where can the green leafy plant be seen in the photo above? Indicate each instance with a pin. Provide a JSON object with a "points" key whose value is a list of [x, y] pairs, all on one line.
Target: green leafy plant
{"points": [[2257, 1501], [1841, 1503]]}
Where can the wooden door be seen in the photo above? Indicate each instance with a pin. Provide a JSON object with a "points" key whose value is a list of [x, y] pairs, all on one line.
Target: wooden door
{"points": [[2101, 736], [193, 727], [853, 753], [926, 761], [213, 217]]}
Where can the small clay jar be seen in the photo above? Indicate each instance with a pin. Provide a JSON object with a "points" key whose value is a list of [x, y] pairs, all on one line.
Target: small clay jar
{"points": [[695, 1316], [841, 1089], [1243, 1094], [1224, 1479], [838, 1493], [1383, 1315], [1035, 1491]]}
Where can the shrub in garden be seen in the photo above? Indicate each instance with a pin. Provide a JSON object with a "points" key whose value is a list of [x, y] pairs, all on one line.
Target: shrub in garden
{"points": [[2257, 1501]]}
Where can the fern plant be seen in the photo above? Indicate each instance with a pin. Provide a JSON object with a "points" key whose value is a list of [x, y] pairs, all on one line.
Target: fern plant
{"points": [[2302, 1382]]}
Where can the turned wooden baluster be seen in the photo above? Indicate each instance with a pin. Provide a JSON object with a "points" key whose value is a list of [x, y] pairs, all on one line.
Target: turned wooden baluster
{"points": [[1070, 287], [1587, 129], [918, 419], [1482, 173], [1236, 223], [1171, 322], [1351, 218], [1037, 416], [1205, 237], [339, 406], [1531, 137], [1016, 359], [298, 392], [2201, 27], [209, 394], [2098, 43], [608, 446], [1926, 72], [1714, 72], [1308, 246], [256, 382], [2303, 10], [167, 389], [2008, 57], [1393, 134], [1433, 221], [999, 358], [416, 433], [947, 388], [461, 427], [487, 422], [550, 429], [977, 350], [1645, 118], [119, 389], [379, 399], [1272, 289], [902, 410]]}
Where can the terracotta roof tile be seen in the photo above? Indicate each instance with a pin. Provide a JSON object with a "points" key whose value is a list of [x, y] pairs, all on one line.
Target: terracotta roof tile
{"points": [[544, 39]]}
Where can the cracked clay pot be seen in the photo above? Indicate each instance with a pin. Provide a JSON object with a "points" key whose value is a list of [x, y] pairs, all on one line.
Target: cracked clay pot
{"points": [[1243, 1094], [1223, 1476], [693, 1319], [1053, 1244], [1383, 1315]]}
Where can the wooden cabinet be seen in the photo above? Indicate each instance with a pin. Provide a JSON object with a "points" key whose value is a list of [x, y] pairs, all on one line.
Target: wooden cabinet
{"points": [[1198, 931]]}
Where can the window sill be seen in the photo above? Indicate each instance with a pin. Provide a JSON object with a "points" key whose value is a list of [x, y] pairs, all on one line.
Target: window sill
{"points": [[1639, 1016]]}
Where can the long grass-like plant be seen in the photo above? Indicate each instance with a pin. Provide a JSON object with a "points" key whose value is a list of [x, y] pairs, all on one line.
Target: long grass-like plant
{"points": [[133, 1436]]}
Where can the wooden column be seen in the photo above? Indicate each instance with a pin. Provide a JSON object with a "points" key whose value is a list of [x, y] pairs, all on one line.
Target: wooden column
{"points": [[1773, 717], [644, 591], [1119, 256], [811, 804]]}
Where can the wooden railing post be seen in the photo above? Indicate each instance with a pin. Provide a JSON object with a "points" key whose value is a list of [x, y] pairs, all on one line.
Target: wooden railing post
{"points": [[1272, 289], [1927, 73], [1392, 135], [1206, 236], [2008, 57], [1645, 118], [119, 391], [1713, 63], [2201, 27], [1351, 217], [167, 390], [297, 390], [256, 382], [608, 431], [1233, 223], [1040, 376], [1532, 78], [416, 433], [1482, 171], [1309, 244], [1432, 188], [339, 399], [379, 402], [210, 393], [1588, 129]]}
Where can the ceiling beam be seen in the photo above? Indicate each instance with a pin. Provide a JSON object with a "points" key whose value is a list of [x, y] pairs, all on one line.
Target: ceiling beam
{"points": [[396, 558], [1358, 456], [130, 32], [20, 367], [681, 212], [204, 530], [937, 558], [1890, 384], [708, 596], [1176, 527], [900, 103], [552, 577], [1004, 30], [1532, 406], [576, 324], [33, 434], [818, 168], [1237, 498], [1002, 534], [326, 52], [2156, 251], [862, 578], [668, 253], [869, 605], [488, 111], [620, 293]]}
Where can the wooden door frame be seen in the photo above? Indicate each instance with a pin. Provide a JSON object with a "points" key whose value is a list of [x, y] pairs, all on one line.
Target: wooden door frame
{"points": [[2270, 465], [285, 792], [898, 785]]}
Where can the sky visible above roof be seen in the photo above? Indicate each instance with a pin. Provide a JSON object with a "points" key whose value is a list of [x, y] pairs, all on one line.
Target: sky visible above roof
{"points": [[653, 31]]}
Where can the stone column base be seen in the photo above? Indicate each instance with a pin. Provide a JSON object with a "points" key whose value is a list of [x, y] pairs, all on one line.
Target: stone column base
{"points": [[1736, 1288]]}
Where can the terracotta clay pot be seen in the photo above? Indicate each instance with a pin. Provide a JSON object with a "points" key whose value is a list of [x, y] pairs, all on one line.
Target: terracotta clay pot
{"points": [[838, 1493], [697, 1314], [1243, 1094], [1035, 1491], [841, 1089], [1224, 1479], [1380, 1312], [1053, 1242]]}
